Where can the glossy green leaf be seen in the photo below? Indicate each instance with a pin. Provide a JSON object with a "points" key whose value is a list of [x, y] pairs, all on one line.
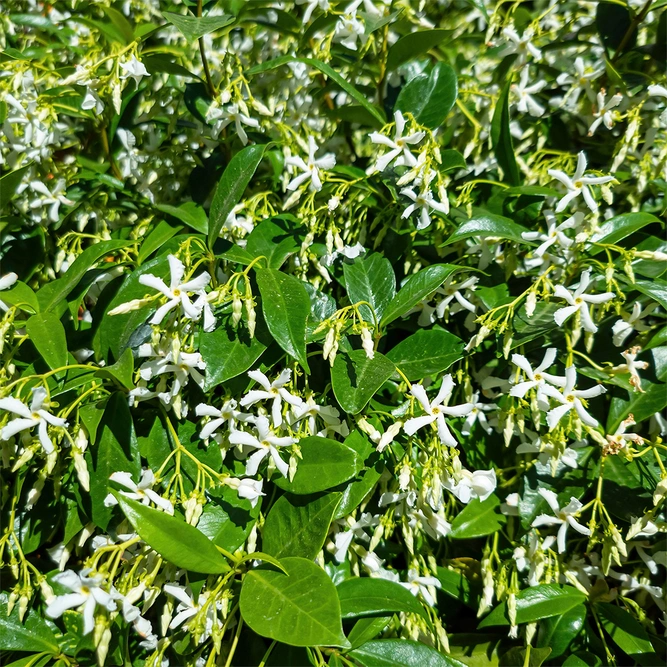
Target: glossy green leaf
{"points": [[613, 22], [116, 450], [416, 288], [430, 97], [414, 44], [536, 603], [374, 596], [656, 289], [192, 27], [324, 464], [355, 378], [286, 306], [488, 224], [48, 336], [31, 634], [400, 653], [366, 629], [456, 585], [640, 405], [274, 240], [427, 352], [22, 296], [521, 657], [582, 659], [156, 239], [451, 159], [189, 213], [298, 525], [232, 185], [501, 138], [299, 608], [176, 541], [624, 629], [9, 183], [478, 518], [619, 227], [122, 370], [558, 632], [370, 279]]}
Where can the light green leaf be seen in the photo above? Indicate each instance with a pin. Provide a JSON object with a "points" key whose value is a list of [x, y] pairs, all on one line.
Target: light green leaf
{"points": [[477, 518], [489, 224], [625, 630], [451, 159], [455, 584], [619, 227], [366, 629], [48, 336], [157, 238], [501, 137], [414, 44], [192, 27], [324, 464], [416, 288], [232, 185], [426, 352], [370, 596], [286, 306], [370, 279], [400, 653], [31, 634], [190, 213], [430, 97], [176, 541], [22, 296], [519, 657], [298, 525], [355, 378], [300, 608]]}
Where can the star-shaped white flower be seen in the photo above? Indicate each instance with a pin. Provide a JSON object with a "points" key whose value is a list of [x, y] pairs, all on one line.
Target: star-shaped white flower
{"points": [[538, 377], [570, 398], [134, 69], [564, 517], [250, 489], [467, 486], [422, 586], [226, 414], [604, 113], [399, 146], [143, 491], [436, 411], [423, 202], [29, 417], [51, 199], [578, 184], [233, 113], [273, 391], [524, 92], [311, 169], [555, 233], [578, 300], [266, 443], [630, 322]]}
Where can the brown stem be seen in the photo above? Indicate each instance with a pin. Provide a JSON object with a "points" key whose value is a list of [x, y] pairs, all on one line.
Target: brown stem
{"points": [[628, 33]]}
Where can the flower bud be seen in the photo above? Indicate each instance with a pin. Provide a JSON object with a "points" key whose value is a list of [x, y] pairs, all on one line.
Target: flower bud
{"points": [[367, 342]]}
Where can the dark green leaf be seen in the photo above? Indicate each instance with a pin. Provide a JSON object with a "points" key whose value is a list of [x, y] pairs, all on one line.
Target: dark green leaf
{"points": [[488, 224], [370, 279], [626, 631], [455, 584], [31, 634], [355, 378], [619, 227], [48, 336], [122, 370], [520, 657], [299, 608], [374, 596], [366, 629], [192, 27], [501, 137], [558, 632], [9, 184], [427, 352], [400, 653], [157, 238], [656, 289], [478, 518], [640, 405], [414, 44], [613, 22], [274, 240], [189, 213]]}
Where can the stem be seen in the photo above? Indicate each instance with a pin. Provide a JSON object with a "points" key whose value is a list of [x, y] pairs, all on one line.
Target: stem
{"points": [[204, 61], [633, 25], [232, 650]]}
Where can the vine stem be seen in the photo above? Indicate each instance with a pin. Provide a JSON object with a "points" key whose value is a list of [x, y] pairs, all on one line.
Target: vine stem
{"points": [[204, 60]]}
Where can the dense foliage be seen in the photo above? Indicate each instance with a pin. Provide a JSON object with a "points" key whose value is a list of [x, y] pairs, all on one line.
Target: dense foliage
{"points": [[333, 333]]}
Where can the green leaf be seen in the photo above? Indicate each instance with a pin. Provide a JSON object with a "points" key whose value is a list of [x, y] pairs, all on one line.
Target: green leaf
{"points": [[370, 279], [299, 608], [330, 72], [274, 240], [451, 159], [416, 288], [501, 137], [116, 450], [324, 464], [536, 603], [400, 653], [366, 629], [48, 336], [298, 525], [619, 227], [626, 631], [640, 405], [427, 352], [558, 632], [370, 596], [176, 541], [9, 183], [22, 296], [232, 185], [656, 289], [157, 238], [355, 378], [414, 44], [613, 21], [286, 306], [228, 352], [228, 519], [189, 213], [582, 659], [122, 370], [53, 293], [520, 657], [477, 518], [192, 27], [455, 584], [430, 97], [358, 489], [488, 224], [31, 634]]}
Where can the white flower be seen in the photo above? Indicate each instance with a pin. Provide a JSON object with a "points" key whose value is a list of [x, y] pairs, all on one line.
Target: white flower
{"points": [[227, 413], [266, 443], [633, 367], [436, 411], [555, 233], [8, 280], [348, 31], [399, 146], [477, 415], [421, 586], [187, 607], [579, 81], [86, 595], [423, 202], [579, 184], [564, 517], [511, 508], [537, 378], [142, 491], [310, 410], [578, 300], [549, 452], [274, 391], [631, 322], [311, 169], [655, 90], [29, 417], [620, 439], [525, 92], [232, 113], [50, 198], [311, 6], [185, 366], [133, 69], [354, 531], [381, 440], [604, 113], [250, 489], [467, 486], [520, 45], [178, 292], [570, 398]]}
